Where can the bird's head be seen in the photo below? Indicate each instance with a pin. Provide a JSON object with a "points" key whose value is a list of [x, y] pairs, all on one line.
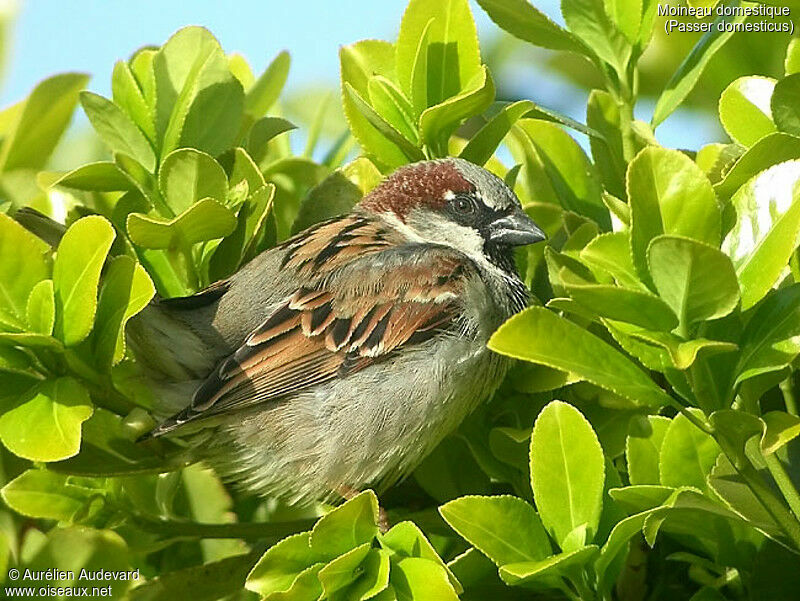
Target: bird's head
{"points": [[455, 203]]}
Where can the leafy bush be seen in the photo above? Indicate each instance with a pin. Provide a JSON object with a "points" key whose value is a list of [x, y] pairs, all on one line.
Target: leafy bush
{"points": [[667, 318]]}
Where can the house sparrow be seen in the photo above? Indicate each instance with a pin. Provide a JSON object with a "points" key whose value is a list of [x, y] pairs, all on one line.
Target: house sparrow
{"points": [[342, 357]]}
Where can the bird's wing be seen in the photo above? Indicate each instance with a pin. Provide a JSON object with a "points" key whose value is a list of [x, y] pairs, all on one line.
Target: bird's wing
{"points": [[363, 297]]}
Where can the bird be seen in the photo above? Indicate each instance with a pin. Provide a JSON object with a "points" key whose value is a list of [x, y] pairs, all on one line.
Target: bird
{"points": [[338, 359]]}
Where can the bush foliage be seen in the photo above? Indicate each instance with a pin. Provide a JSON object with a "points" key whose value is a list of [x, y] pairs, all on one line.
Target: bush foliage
{"points": [[645, 446]]}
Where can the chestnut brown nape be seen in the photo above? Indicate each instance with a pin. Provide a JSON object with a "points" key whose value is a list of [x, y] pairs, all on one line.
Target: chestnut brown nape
{"points": [[424, 183]]}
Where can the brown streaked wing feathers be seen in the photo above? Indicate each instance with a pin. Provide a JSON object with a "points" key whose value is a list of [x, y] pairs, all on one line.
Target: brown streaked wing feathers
{"points": [[356, 308]]}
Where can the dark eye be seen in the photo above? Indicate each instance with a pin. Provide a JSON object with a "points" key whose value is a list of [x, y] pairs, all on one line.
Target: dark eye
{"points": [[463, 206]]}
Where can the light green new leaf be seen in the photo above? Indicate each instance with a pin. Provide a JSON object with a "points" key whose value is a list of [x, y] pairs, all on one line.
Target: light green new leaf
{"points": [[683, 353], [24, 262], [102, 176], [541, 336], [744, 109], [687, 454], [452, 56], [568, 170], [407, 540], [204, 220], [76, 273], [688, 73], [602, 114], [523, 20], [265, 91], [611, 253], [187, 175], [199, 103], [626, 15], [390, 134], [767, 230], [41, 308], [127, 95], [389, 102], [280, 565], [549, 569], [343, 570], [117, 130], [669, 194], [144, 181], [40, 122], [696, 280], [588, 20], [416, 579], [780, 429], [42, 494], [438, 122], [643, 447], [791, 64], [351, 524], [262, 132], [126, 290], [505, 529], [785, 104], [359, 62], [483, 144], [768, 151], [567, 471], [771, 339], [45, 424]]}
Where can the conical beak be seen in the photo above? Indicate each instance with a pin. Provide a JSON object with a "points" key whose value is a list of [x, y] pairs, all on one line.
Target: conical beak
{"points": [[516, 229]]}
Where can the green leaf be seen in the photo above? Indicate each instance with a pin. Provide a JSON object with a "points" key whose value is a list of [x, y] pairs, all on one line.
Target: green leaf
{"points": [[280, 565], [616, 544], [39, 493], [683, 353], [611, 253], [627, 16], [335, 195], [766, 231], [505, 529], [407, 540], [438, 122], [643, 447], [452, 56], [24, 262], [602, 114], [359, 62], [76, 273], [784, 104], [559, 565], [410, 151], [768, 151], [771, 339], [343, 570], [204, 220], [792, 62], [669, 194], [483, 144], [687, 454], [45, 424], [540, 336], [588, 20], [781, 428], [102, 176], [631, 306], [526, 22], [568, 170], [267, 88], [567, 471], [117, 130], [696, 280], [41, 308], [351, 524], [144, 181], [744, 109], [188, 175], [415, 579], [199, 103], [262, 132], [127, 95], [390, 103], [40, 122], [126, 291], [688, 73]]}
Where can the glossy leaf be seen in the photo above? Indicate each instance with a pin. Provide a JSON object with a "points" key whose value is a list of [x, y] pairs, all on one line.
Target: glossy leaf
{"points": [[347, 526], [780, 428], [540, 336], [768, 151], [744, 109], [24, 262], [506, 529], [41, 308], [45, 424], [784, 104], [415, 579], [767, 229], [588, 20], [559, 565], [280, 565], [103, 176], [567, 471], [687, 454], [263, 94], [188, 175], [483, 144], [76, 274], [117, 130], [204, 220], [39, 493], [128, 96], [643, 448]]}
